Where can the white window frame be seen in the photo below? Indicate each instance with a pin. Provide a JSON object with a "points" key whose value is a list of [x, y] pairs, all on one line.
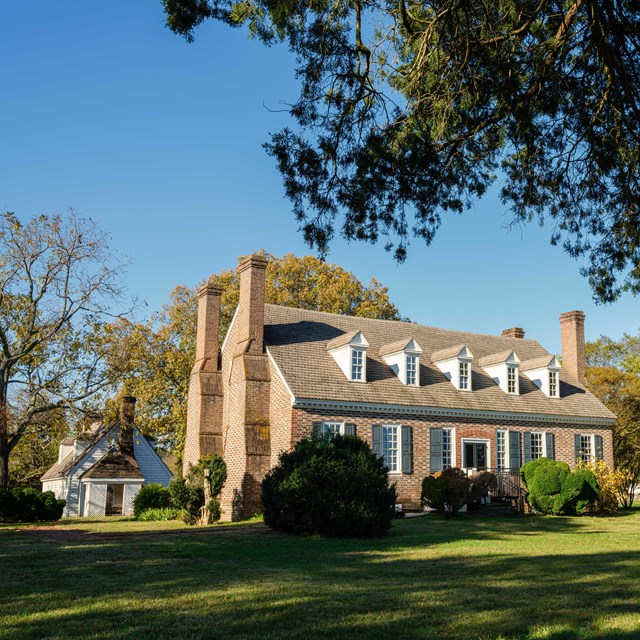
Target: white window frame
{"points": [[543, 444], [398, 429], [484, 441], [554, 374], [592, 447], [452, 436], [503, 465], [362, 353], [466, 366], [332, 427], [511, 370], [416, 369]]}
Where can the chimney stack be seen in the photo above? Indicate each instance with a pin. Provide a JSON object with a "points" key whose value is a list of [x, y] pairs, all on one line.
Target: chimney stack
{"points": [[127, 417], [513, 332], [208, 322], [251, 305], [573, 353]]}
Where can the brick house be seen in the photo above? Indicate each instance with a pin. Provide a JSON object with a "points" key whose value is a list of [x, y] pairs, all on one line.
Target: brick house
{"points": [[424, 398]]}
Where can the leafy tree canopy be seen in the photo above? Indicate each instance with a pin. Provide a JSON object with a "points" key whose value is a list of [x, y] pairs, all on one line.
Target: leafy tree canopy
{"points": [[159, 354], [410, 109]]}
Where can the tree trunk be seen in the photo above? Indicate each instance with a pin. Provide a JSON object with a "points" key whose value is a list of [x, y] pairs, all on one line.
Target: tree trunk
{"points": [[4, 444]]}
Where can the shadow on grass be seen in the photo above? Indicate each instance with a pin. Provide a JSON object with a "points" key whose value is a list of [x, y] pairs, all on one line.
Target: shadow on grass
{"points": [[431, 578]]}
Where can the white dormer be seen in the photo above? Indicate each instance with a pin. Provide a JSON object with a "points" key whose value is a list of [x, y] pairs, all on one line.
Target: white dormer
{"points": [[403, 357], [350, 353], [455, 363], [503, 370], [544, 373]]}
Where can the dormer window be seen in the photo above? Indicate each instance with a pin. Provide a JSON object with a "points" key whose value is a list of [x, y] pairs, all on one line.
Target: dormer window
{"points": [[544, 373], [403, 357], [455, 363], [464, 376], [357, 366], [350, 353], [412, 369], [553, 384], [503, 367]]}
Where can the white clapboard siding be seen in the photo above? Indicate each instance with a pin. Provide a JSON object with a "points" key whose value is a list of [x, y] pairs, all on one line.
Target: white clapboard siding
{"points": [[150, 463], [58, 486]]}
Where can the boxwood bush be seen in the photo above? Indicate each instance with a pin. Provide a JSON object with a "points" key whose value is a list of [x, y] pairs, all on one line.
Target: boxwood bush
{"points": [[446, 491], [334, 487], [554, 489], [29, 505], [151, 496]]}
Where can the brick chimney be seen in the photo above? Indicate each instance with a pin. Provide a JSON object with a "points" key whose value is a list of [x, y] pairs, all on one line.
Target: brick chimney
{"points": [[513, 332], [127, 417], [250, 319], [573, 354], [204, 404], [247, 449]]}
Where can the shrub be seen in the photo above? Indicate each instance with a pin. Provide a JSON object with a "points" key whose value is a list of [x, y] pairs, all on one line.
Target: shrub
{"points": [[156, 515], [333, 487], [612, 483], [29, 505], [151, 496], [433, 490], [213, 507], [218, 473], [446, 491], [481, 483], [188, 493], [554, 489]]}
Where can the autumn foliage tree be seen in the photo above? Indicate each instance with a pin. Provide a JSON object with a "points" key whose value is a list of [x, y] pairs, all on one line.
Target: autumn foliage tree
{"points": [[159, 354], [59, 282]]}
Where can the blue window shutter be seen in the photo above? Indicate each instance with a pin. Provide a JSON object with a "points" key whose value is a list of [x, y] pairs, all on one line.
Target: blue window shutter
{"points": [[599, 448], [577, 448], [407, 449], [317, 429], [551, 452], [514, 450], [349, 429], [376, 439], [527, 447], [435, 450]]}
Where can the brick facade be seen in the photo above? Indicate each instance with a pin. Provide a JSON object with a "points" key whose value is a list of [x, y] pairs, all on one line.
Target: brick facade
{"points": [[573, 353]]}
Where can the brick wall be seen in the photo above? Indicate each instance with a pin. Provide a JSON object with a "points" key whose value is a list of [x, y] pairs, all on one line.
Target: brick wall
{"points": [[573, 353], [409, 485]]}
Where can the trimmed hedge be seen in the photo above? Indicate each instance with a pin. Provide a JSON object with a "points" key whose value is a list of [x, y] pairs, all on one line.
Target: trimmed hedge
{"points": [[554, 489], [29, 505], [333, 487]]}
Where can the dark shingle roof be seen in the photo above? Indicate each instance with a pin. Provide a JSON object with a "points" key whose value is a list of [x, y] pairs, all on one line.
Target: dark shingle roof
{"points": [[115, 465], [297, 340]]}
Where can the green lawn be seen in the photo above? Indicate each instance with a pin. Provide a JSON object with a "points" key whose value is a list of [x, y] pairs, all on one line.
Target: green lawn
{"points": [[482, 577]]}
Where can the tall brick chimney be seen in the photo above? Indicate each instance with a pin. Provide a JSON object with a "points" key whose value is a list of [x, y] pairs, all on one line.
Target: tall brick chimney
{"points": [[127, 418], [250, 319], [513, 332], [573, 354], [247, 449], [204, 404]]}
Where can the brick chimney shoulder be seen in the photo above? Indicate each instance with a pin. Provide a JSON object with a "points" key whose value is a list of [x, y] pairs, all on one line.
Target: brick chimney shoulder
{"points": [[573, 351], [513, 332]]}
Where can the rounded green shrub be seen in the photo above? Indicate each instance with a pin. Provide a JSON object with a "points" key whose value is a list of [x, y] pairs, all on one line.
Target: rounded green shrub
{"points": [[151, 496], [554, 489], [334, 487], [432, 495]]}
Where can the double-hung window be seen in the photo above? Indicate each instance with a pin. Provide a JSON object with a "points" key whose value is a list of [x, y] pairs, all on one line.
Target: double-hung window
{"points": [[357, 366], [332, 428], [511, 379], [447, 448], [412, 370], [501, 450], [553, 384], [464, 375], [390, 447], [586, 448], [537, 445]]}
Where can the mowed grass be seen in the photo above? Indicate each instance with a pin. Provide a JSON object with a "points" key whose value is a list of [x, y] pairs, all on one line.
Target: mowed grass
{"points": [[473, 577]]}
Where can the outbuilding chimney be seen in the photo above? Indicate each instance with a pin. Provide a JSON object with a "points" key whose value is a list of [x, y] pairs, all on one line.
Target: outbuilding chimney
{"points": [[513, 332], [208, 322], [573, 354], [127, 418]]}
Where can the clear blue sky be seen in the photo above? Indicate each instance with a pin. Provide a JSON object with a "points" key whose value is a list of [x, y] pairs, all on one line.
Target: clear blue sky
{"points": [[106, 111]]}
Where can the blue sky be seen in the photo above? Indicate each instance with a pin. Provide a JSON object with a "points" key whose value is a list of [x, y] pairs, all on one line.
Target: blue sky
{"points": [[106, 111]]}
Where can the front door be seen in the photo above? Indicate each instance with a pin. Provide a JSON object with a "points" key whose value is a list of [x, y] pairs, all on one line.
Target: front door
{"points": [[475, 455], [115, 493]]}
